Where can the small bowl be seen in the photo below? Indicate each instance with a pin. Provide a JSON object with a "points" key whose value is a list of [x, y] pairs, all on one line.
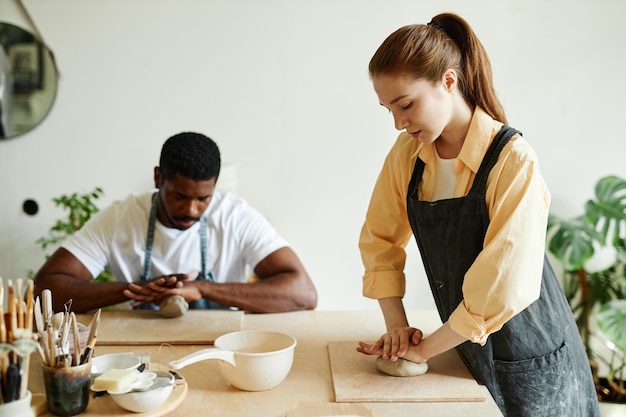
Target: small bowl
{"points": [[150, 399], [102, 363]]}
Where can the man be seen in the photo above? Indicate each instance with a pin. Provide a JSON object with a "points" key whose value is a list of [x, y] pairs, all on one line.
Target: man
{"points": [[184, 243]]}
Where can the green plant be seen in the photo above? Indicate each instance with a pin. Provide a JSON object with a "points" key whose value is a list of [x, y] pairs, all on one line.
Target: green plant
{"points": [[597, 289], [80, 207], [611, 319]]}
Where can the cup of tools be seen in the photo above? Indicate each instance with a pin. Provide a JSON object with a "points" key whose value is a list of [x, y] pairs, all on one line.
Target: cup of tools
{"points": [[66, 371], [67, 388]]}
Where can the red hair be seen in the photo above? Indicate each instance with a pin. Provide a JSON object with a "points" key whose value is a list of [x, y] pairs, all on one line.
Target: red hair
{"points": [[427, 51]]}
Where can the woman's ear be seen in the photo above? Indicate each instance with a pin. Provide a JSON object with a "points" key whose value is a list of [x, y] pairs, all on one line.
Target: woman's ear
{"points": [[450, 79]]}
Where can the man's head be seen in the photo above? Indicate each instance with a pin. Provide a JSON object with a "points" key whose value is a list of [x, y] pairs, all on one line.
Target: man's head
{"points": [[191, 155], [189, 167]]}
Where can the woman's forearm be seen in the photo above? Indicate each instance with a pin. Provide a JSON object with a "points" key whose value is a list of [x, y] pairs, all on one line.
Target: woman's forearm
{"points": [[394, 313], [440, 341]]}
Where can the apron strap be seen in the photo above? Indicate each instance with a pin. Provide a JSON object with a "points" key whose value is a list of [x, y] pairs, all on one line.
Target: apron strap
{"points": [[147, 264], [491, 157]]}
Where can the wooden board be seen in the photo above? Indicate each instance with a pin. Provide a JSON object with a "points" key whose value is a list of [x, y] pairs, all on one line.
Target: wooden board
{"points": [[147, 327], [356, 379]]}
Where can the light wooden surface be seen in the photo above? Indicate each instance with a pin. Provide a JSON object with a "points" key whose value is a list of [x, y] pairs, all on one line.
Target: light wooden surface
{"points": [[148, 327], [308, 389], [356, 379]]}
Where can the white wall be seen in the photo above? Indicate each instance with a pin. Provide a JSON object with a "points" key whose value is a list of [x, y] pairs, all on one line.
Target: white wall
{"points": [[282, 86]]}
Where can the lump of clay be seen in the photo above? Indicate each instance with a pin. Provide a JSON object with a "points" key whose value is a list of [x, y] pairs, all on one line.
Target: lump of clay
{"points": [[401, 367]]}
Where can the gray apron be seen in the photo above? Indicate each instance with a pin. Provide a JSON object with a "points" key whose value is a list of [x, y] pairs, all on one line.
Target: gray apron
{"points": [[534, 366], [205, 275]]}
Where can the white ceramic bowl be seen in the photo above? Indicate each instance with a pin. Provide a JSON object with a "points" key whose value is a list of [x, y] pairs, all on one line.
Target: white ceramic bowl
{"points": [[253, 360], [142, 401], [102, 363]]}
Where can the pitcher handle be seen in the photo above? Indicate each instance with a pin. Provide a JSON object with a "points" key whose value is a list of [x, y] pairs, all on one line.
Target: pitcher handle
{"points": [[209, 353]]}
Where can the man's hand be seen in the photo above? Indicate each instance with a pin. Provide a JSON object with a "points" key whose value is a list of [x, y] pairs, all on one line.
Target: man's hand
{"points": [[154, 290]]}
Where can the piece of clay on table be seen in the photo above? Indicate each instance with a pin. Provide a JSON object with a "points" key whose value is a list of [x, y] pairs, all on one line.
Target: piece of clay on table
{"points": [[401, 367]]}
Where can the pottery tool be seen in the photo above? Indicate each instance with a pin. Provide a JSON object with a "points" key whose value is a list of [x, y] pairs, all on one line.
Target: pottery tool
{"points": [[52, 355], [16, 339], [5, 350], [64, 333], [39, 323], [30, 307], [23, 348], [20, 305], [76, 357], [10, 388], [46, 306], [93, 332], [12, 310]]}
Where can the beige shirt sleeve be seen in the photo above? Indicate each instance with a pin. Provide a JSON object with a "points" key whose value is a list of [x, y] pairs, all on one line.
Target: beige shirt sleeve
{"points": [[506, 276]]}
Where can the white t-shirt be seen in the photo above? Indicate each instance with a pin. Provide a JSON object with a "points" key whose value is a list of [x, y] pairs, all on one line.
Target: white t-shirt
{"points": [[115, 238]]}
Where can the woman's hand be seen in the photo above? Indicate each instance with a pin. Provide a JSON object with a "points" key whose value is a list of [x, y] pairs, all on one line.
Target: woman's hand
{"points": [[394, 344]]}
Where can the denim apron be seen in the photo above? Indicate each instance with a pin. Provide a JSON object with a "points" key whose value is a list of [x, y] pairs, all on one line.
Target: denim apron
{"points": [[205, 275], [535, 366]]}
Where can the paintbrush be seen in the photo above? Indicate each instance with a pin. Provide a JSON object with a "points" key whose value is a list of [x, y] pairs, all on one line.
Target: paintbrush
{"points": [[20, 304], [30, 308], [92, 339], [12, 311], [10, 388]]}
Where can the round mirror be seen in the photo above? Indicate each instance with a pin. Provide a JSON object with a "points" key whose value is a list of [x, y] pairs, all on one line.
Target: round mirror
{"points": [[28, 81]]}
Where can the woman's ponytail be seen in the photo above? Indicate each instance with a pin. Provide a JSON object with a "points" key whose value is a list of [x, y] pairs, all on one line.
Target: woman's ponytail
{"points": [[426, 52]]}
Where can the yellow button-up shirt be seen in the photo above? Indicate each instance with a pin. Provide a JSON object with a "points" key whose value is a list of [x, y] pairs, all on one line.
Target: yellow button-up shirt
{"points": [[506, 276]]}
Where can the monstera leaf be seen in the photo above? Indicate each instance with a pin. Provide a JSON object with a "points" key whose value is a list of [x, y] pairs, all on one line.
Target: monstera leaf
{"points": [[608, 211], [573, 241], [611, 320]]}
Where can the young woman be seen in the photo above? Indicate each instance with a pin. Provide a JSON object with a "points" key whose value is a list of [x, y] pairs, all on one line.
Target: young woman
{"points": [[469, 189]]}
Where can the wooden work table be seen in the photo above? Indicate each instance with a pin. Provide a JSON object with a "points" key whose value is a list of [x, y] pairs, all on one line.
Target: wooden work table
{"points": [[307, 391]]}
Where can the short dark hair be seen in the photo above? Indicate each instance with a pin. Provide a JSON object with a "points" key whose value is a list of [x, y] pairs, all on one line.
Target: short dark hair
{"points": [[192, 155]]}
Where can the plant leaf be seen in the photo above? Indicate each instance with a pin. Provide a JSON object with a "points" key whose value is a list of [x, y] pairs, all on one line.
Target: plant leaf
{"points": [[571, 241], [608, 211], [611, 319]]}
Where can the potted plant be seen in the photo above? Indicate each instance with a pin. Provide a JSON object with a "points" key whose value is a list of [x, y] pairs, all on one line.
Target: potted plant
{"points": [[591, 249], [80, 207]]}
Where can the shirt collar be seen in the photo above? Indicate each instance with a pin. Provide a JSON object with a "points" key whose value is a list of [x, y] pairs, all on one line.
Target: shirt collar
{"points": [[481, 131], [479, 135]]}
